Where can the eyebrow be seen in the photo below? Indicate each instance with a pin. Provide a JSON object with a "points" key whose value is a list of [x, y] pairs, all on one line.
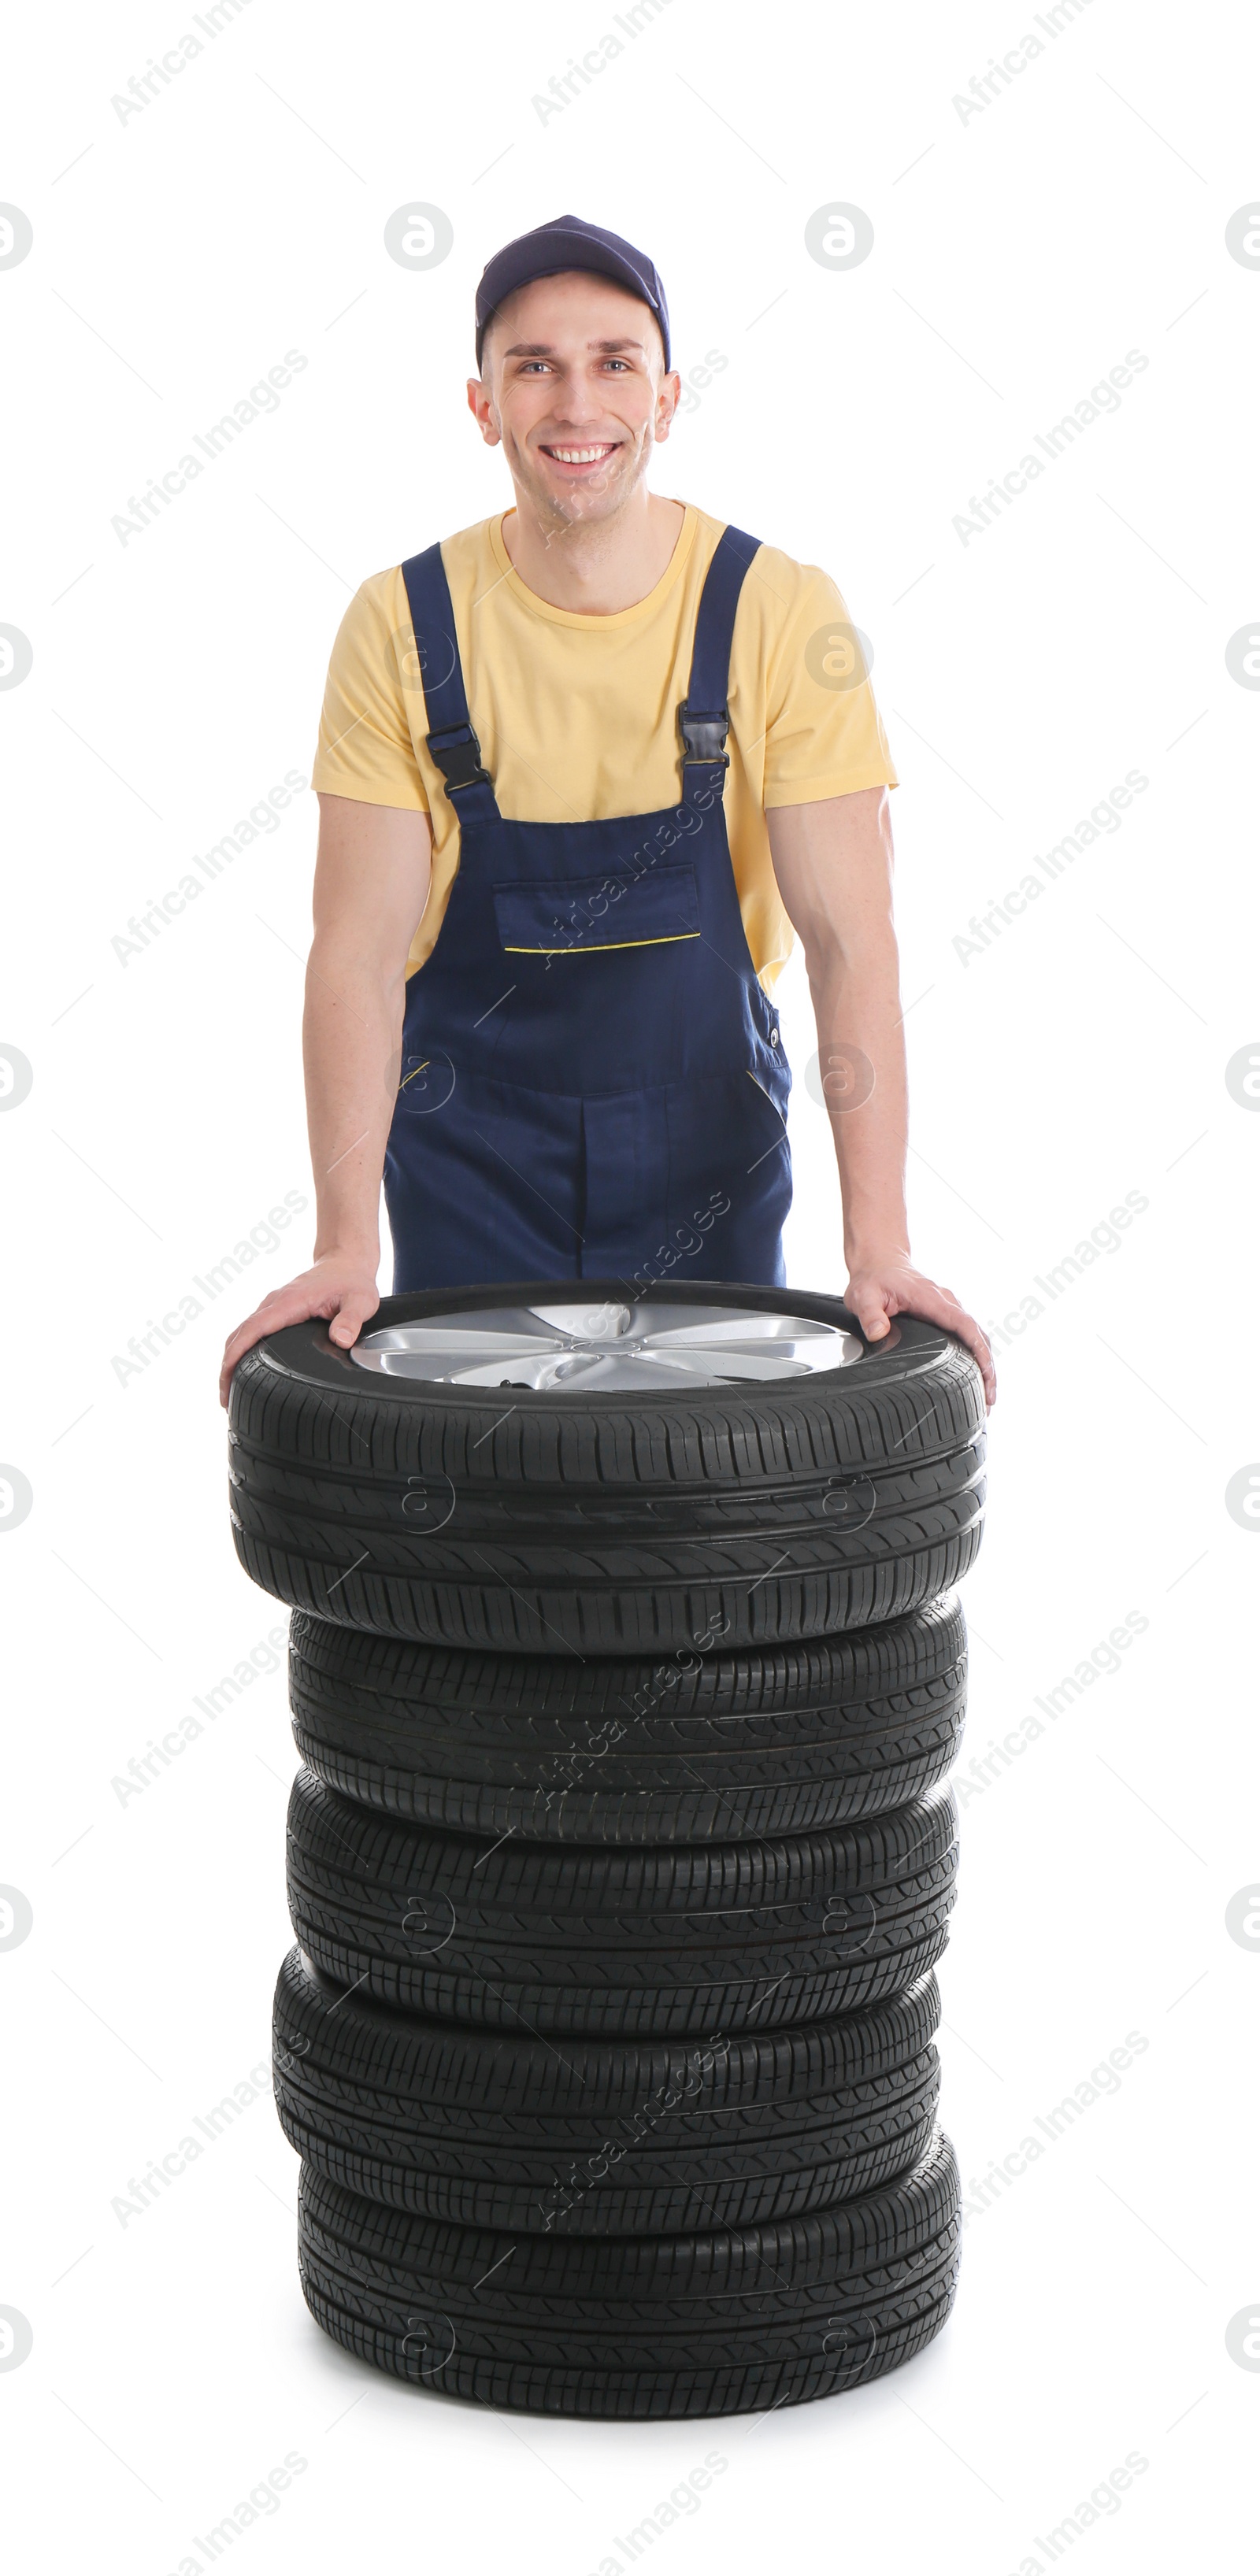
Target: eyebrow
{"points": [[547, 349]]}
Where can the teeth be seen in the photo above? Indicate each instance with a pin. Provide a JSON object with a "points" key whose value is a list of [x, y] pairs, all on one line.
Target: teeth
{"points": [[579, 455]]}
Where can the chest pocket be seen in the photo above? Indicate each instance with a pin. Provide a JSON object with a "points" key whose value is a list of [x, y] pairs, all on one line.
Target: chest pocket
{"points": [[550, 918]]}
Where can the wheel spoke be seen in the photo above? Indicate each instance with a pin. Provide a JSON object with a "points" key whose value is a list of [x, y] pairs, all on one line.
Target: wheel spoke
{"points": [[741, 1327], [724, 1362], [446, 1357]]}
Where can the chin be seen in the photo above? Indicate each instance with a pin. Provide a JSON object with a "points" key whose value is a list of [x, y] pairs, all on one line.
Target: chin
{"points": [[580, 501]]}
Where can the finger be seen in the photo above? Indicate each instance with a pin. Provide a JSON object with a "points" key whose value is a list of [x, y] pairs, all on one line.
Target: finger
{"points": [[870, 1310], [970, 1332], [957, 1321], [350, 1318], [254, 1328], [291, 1305], [242, 1340], [283, 1306], [939, 1305]]}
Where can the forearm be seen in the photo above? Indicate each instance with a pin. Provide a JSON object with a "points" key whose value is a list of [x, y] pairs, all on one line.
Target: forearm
{"points": [[834, 863], [372, 879], [862, 1062], [351, 1044]]}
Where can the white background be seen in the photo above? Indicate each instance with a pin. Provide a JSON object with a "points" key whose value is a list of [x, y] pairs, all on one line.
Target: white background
{"points": [[1018, 256]]}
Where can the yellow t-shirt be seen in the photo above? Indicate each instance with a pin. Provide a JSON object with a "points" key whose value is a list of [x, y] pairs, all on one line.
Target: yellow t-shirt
{"points": [[577, 715]]}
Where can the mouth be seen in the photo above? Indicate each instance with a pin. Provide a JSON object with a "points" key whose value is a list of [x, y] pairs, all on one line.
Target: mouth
{"points": [[575, 462]]}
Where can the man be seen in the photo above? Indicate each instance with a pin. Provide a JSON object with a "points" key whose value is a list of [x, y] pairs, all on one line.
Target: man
{"points": [[582, 769]]}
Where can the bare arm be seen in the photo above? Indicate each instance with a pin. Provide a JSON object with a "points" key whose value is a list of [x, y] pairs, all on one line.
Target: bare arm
{"points": [[372, 877], [834, 864]]}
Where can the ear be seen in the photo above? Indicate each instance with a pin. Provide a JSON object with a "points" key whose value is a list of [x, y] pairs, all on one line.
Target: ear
{"points": [[479, 405], [667, 402]]}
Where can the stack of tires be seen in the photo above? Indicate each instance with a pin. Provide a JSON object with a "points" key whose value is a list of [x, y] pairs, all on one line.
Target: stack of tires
{"points": [[626, 1674]]}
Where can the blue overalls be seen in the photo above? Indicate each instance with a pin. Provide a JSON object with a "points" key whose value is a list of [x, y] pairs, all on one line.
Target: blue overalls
{"points": [[593, 1084]]}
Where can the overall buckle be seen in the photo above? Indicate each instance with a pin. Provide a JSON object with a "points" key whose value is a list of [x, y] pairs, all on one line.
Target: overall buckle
{"points": [[704, 734], [457, 753]]}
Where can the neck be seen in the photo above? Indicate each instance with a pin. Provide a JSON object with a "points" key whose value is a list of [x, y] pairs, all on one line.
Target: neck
{"points": [[595, 568]]}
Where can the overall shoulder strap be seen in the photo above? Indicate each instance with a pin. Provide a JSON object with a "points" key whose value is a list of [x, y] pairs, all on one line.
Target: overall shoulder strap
{"points": [[702, 717], [451, 741]]}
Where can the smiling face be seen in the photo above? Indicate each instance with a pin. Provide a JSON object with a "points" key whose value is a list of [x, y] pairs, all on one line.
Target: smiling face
{"points": [[573, 384]]}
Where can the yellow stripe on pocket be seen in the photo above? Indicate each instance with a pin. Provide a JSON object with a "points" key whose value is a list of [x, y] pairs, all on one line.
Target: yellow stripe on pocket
{"points": [[589, 948]]}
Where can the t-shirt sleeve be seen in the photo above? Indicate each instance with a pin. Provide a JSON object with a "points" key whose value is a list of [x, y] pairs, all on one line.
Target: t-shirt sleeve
{"points": [[824, 733], [365, 749]]}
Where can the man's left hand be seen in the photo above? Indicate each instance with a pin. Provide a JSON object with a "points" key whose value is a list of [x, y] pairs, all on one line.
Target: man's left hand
{"points": [[878, 1290]]}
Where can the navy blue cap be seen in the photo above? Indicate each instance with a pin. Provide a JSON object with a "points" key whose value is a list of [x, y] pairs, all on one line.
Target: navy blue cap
{"points": [[568, 242]]}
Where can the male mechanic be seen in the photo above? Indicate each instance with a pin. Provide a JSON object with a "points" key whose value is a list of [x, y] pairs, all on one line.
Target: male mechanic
{"points": [[582, 770]]}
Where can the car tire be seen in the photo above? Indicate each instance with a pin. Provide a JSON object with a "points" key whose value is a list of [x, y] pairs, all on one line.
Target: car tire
{"points": [[665, 1939], [774, 1740], [573, 1520], [610, 2137], [697, 2324]]}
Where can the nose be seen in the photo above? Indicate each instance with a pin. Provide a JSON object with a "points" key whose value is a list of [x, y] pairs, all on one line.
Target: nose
{"points": [[578, 403]]}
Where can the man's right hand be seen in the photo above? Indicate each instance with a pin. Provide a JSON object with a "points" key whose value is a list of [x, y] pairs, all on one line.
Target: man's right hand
{"points": [[340, 1286]]}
